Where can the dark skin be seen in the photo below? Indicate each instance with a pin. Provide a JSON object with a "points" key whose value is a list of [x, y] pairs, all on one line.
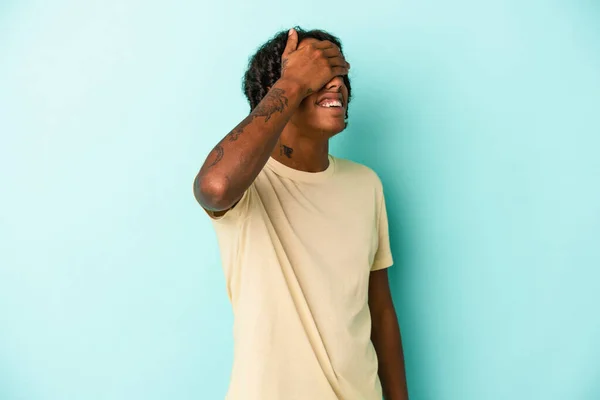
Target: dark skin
{"points": [[291, 126], [237, 159], [386, 338]]}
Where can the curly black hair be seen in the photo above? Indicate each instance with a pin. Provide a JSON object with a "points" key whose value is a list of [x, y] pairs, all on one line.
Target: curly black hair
{"points": [[264, 67]]}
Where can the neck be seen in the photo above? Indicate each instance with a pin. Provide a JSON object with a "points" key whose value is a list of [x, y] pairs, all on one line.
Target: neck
{"points": [[302, 152]]}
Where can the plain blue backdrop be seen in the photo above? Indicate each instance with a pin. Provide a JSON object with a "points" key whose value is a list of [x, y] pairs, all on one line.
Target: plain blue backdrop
{"points": [[481, 117]]}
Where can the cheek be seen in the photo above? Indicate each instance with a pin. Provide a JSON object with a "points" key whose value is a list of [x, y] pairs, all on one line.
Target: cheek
{"points": [[307, 107], [309, 102]]}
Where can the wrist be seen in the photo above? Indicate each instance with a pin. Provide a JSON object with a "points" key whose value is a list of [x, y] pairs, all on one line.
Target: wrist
{"points": [[294, 90]]}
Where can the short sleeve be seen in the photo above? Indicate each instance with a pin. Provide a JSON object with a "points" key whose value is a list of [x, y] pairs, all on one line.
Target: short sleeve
{"points": [[383, 255], [239, 210]]}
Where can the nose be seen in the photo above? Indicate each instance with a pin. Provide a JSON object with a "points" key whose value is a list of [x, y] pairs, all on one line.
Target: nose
{"points": [[336, 83]]}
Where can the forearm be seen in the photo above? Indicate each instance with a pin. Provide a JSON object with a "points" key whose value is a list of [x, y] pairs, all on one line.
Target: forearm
{"points": [[237, 159], [387, 341]]}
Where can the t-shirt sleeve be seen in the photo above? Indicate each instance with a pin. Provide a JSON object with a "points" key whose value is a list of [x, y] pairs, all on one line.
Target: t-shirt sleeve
{"points": [[383, 255], [238, 211]]}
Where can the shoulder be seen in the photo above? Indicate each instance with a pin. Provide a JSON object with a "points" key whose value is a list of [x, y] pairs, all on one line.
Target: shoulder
{"points": [[359, 173]]}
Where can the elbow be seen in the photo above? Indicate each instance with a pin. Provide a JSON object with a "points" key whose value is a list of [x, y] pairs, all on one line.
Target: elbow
{"points": [[211, 192]]}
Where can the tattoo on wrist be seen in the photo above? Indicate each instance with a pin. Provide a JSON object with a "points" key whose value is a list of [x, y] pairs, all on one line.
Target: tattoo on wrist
{"points": [[283, 65]]}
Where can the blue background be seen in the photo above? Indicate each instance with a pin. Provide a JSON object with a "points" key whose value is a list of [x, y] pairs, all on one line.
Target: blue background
{"points": [[481, 117]]}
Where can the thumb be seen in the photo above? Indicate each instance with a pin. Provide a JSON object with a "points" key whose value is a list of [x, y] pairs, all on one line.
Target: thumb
{"points": [[292, 42]]}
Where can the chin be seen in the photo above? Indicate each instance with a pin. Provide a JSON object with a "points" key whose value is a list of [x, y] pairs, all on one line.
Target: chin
{"points": [[332, 128]]}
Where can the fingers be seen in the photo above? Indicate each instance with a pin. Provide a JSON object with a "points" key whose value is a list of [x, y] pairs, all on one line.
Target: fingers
{"points": [[324, 44], [339, 61], [335, 56], [292, 42], [328, 50], [331, 52], [339, 71]]}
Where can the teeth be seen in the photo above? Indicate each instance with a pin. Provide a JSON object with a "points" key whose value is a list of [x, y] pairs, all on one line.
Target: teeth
{"points": [[330, 103]]}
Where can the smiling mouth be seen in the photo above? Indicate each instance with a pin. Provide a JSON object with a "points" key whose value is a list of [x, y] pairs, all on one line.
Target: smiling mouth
{"points": [[330, 103]]}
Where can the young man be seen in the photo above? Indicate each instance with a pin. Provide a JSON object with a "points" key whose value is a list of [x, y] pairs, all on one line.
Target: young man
{"points": [[303, 236]]}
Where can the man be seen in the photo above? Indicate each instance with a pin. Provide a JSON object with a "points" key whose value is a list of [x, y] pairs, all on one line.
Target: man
{"points": [[303, 236]]}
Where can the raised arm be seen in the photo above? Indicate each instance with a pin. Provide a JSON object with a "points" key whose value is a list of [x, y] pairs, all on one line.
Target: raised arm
{"points": [[237, 159]]}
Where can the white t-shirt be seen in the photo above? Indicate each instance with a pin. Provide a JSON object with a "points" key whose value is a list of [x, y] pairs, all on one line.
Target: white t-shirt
{"points": [[297, 251]]}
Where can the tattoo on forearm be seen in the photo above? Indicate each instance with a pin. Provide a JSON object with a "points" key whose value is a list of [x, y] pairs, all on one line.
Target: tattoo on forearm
{"points": [[218, 150], [238, 130], [273, 102], [287, 151]]}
